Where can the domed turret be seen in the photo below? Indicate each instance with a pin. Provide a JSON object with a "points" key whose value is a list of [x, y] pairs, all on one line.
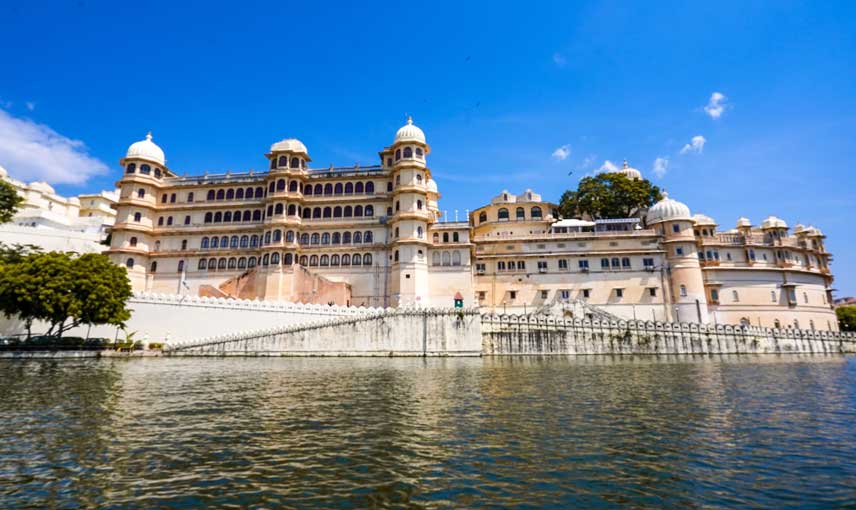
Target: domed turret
{"points": [[630, 173], [702, 220], [409, 133], [667, 210], [289, 145], [773, 222], [432, 185], [146, 149], [743, 222]]}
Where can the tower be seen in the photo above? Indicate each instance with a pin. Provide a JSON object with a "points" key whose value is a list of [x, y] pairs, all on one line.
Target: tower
{"points": [[675, 223], [411, 216]]}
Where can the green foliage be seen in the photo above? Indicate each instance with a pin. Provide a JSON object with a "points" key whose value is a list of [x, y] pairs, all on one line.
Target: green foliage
{"points": [[846, 318], [609, 195], [64, 290], [10, 201], [16, 252]]}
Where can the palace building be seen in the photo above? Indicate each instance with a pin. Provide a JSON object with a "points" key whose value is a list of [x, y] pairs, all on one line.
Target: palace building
{"points": [[374, 236]]}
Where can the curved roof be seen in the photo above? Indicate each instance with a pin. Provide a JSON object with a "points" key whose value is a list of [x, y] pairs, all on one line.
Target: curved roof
{"points": [[289, 145], [146, 149], [409, 133], [668, 209]]}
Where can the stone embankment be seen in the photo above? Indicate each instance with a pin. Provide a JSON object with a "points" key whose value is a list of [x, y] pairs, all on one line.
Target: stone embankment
{"points": [[392, 332], [522, 335]]}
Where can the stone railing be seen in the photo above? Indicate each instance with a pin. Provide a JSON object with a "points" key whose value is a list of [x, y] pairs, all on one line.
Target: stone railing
{"points": [[516, 335]]}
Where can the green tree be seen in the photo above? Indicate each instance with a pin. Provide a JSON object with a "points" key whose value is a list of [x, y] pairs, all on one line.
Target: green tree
{"points": [[608, 195], [16, 252], [65, 291], [10, 201], [846, 318]]}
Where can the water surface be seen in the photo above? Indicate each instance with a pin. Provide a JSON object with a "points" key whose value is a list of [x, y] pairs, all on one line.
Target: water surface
{"points": [[590, 432]]}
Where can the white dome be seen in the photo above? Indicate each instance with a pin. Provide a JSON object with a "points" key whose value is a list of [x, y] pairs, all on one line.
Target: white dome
{"points": [[146, 149], [666, 210], [432, 185], [702, 219], [629, 172], [43, 187], [773, 222], [743, 222], [409, 133], [799, 228], [289, 145], [3, 172]]}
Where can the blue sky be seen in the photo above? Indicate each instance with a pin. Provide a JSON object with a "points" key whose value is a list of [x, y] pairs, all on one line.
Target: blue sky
{"points": [[510, 95]]}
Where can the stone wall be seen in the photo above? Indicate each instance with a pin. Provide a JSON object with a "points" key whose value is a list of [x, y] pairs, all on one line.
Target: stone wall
{"points": [[521, 335], [392, 332]]}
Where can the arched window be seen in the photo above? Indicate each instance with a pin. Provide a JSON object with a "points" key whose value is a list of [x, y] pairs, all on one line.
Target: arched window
{"points": [[210, 194], [389, 187], [227, 216], [615, 262], [447, 259], [163, 198], [328, 189], [245, 241], [251, 262], [304, 260], [536, 212], [334, 260], [349, 188], [254, 241], [131, 168], [224, 242], [455, 237], [202, 265], [239, 194], [129, 263], [289, 236], [369, 211], [313, 260], [221, 194], [337, 212], [133, 241], [435, 258], [277, 236], [777, 324], [271, 186], [278, 209], [233, 263], [257, 215], [435, 238], [169, 220], [347, 212], [367, 259], [292, 186], [358, 238], [288, 259], [247, 215], [338, 188], [233, 242], [190, 197], [419, 205], [397, 154], [260, 192], [218, 217], [292, 209], [204, 243], [325, 260], [503, 214], [367, 237], [397, 206], [358, 211], [359, 189], [274, 259], [520, 214], [242, 263], [325, 238], [282, 162], [230, 194], [456, 258], [208, 217], [272, 163], [744, 321], [370, 188], [735, 296], [280, 185], [248, 193], [482, 217], [625, 262], [141, 193], [138, 217], [445, 237], [315, 239], [172, 198], [395, 256], [336, 238], [346, 238], [265, 260], [215, 242], [328, 212], [295, 163], [145, 169], [408, 152], [306, 213], [356, 259], [419, 152], [212, 264], [316, 213], [346, 260], [307, 190], [160, 221], [267, 238], [304, 238]]}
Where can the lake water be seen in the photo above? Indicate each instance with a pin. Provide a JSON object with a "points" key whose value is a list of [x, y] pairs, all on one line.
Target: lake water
{"points": [[593, 432]]}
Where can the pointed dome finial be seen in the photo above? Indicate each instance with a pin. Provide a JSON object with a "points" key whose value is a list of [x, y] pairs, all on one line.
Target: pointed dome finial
{"points": [[665, 194], [410, 119], [149, 136], [625, 163]]}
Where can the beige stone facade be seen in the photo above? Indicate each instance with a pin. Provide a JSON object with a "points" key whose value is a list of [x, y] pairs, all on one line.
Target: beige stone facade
{"points": [[374, 236]]}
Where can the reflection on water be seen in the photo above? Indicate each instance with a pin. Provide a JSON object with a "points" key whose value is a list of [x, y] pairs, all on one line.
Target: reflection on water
{"points": [[439, 433]]}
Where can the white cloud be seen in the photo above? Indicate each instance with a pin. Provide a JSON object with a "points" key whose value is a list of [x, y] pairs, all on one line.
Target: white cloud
{"points": [[608, 167], [661, 166], [587, 162], [716, 105], [31, 105], [562, 152], [696, 145], [559, 59], [31, 151]]}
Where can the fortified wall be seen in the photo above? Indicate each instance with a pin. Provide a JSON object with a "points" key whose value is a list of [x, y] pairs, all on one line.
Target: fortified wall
{"points": [[522, 335]]}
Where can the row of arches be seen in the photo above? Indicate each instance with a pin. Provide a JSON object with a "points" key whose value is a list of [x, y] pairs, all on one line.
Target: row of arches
{"points": [[503, 214], [357, 211], [334, 238], [276, 236], [455, 237], [283, 162], [144, 170], [275, 259], [234, 194], [409, 152], [233, 217], [446, 258]]}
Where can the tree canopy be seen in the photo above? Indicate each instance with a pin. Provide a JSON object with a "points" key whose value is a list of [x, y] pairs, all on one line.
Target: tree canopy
{"points": [[608, 195], [10, 201], [64, 290], [846, 318]]}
